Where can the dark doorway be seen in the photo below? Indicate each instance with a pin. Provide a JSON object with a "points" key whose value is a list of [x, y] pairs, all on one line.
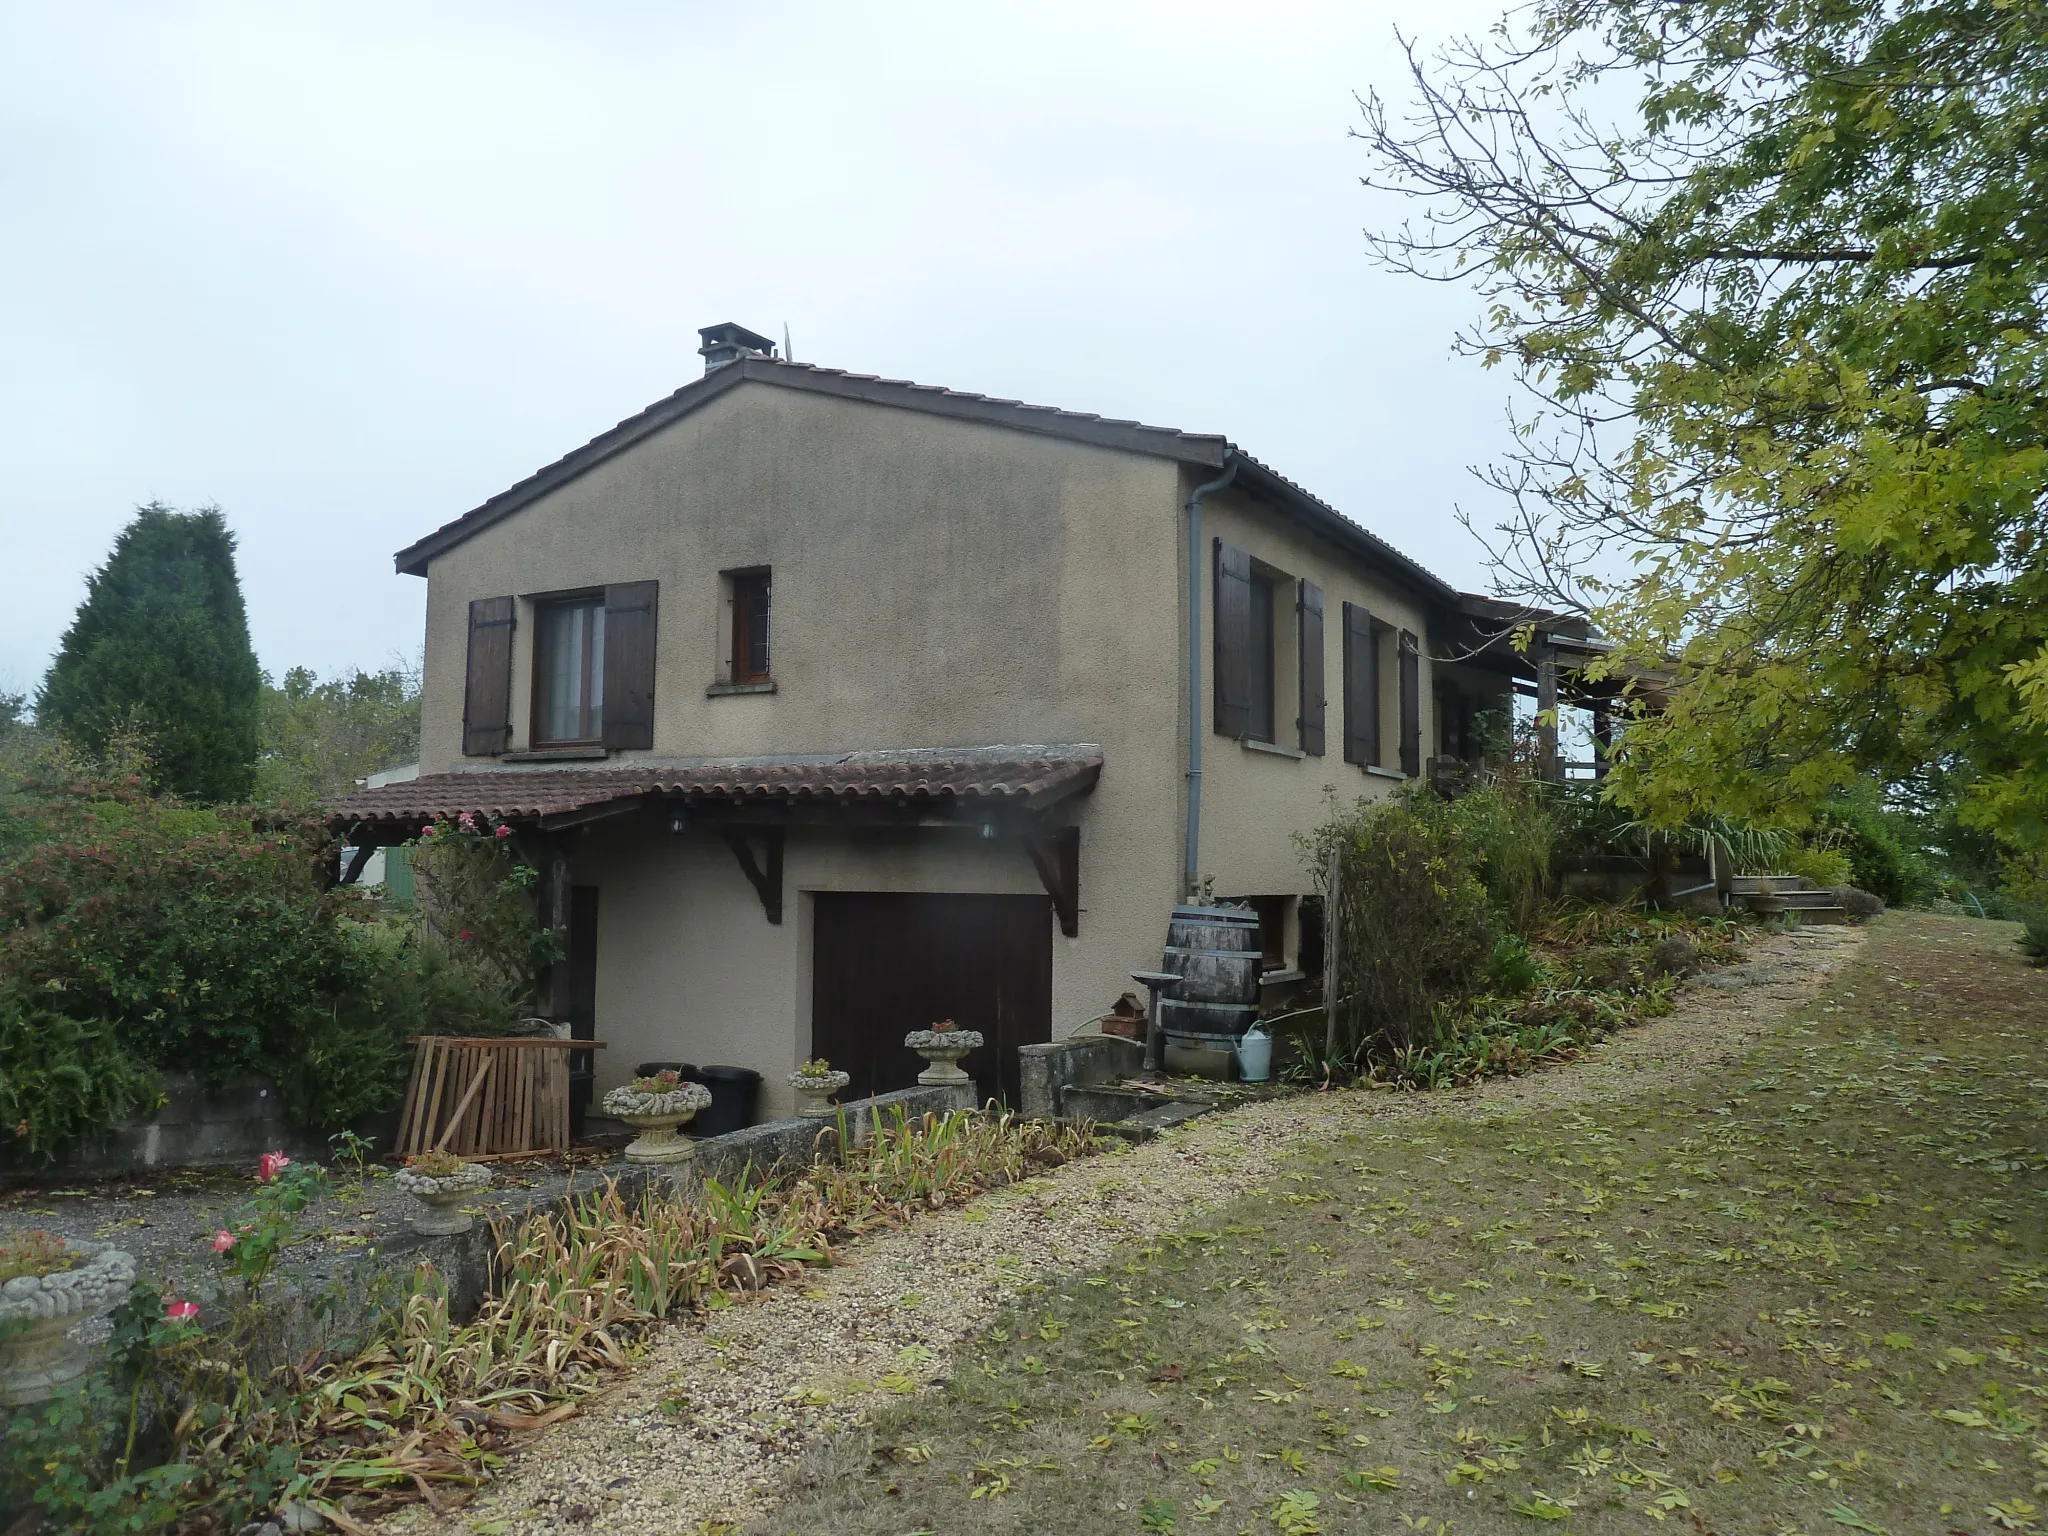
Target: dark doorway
{"points": [[884, 964]]}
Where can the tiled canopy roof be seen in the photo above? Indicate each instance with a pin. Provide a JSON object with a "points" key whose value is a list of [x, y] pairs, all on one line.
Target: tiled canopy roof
{"points": [[1022, 777]]}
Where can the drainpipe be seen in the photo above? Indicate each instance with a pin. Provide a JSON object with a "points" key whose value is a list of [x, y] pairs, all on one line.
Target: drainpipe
{"points": [[1193, 842]]}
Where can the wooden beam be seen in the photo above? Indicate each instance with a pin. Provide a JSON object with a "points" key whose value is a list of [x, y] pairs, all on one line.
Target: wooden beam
{"points": [[767, 883], [1056, 855], [562, 820]]}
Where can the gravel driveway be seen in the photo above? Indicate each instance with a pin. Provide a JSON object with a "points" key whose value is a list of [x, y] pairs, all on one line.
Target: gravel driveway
{"points": [[719, 1409]]}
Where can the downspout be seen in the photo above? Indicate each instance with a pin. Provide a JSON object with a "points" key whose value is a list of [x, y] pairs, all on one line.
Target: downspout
{"points": [[1192, 845]]}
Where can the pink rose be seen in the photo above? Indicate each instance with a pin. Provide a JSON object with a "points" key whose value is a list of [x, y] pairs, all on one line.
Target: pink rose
{"points": [[223, 1240], [467, 821], [270, 1165], [504, 831], [183, 1311], [427, 830]]}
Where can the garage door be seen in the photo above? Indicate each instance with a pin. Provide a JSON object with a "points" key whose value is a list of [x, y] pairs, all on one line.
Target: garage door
{"points": [[884, 964]]}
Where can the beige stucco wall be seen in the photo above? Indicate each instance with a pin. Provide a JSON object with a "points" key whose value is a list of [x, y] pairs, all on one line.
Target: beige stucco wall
{"points": [[937, 583], [690, 970], [1252, 801]]}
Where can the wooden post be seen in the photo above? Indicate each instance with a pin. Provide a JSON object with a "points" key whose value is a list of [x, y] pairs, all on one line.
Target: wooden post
{"points": [[1547, 764], [1333, 952]]}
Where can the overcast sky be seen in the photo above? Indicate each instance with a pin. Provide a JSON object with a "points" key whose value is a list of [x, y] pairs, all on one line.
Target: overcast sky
{"points": [[349, 270]]}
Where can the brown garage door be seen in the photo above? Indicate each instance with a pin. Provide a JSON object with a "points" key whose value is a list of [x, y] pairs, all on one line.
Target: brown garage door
{"points": [[884, 964]]}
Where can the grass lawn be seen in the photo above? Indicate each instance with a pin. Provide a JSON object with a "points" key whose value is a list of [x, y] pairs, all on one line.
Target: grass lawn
{"points": [[1808, 1293]]}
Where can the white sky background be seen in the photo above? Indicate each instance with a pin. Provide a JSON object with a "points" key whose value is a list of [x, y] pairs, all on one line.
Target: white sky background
{"points": [[348, 271]]}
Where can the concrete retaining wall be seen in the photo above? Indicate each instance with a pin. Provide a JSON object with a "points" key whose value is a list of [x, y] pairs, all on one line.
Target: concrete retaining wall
{"points": [[1078, 1061]]}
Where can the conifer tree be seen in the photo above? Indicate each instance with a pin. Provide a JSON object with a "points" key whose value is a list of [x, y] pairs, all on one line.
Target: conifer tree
{"points": [[160, 647]]}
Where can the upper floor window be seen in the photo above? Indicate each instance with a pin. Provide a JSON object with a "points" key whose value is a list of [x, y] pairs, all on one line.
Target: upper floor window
{"points": [[568, 704], [1265, 663], [751, 593]]}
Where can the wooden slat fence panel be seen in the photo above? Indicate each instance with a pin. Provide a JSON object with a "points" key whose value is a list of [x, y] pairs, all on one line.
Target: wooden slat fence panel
{"points": [[484, 1099]]}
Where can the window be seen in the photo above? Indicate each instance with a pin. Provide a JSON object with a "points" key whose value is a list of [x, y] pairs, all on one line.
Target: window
{"points": [[568, 671], [1259, 718], [751, 593]]}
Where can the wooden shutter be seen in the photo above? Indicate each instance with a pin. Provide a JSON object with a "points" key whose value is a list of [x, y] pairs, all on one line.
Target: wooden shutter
{"points": [[1361, 688], [1233, 640], [487, 685], [629, 614], [1411, 705], [1309, 609]]}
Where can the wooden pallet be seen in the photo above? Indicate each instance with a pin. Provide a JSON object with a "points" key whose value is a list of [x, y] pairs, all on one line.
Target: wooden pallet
{"points": [[488, 1098]]}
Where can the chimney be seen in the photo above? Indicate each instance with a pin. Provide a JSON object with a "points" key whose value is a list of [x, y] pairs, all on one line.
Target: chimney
{"points": [[728, 343]]}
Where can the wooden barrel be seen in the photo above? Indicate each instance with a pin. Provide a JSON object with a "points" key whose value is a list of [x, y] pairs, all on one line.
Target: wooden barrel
{"points": [[1216, 953], [1207, 1023]]}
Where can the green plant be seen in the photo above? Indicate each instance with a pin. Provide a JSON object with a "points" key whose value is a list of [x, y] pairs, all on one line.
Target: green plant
{"points": [[160, 646], [62, 1079], [817, 1067], [34, 1252], [436, 1164], [1512, 968], [2034, 936], [477, 895], [269, 1222], [1820, 864], [1416, 928]]}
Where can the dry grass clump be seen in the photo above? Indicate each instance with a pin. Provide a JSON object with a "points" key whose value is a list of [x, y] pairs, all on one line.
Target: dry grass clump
{"points": [[429, 1411]]}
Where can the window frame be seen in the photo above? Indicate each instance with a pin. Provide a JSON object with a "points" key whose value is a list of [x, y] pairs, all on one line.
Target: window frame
{"points": [[590, 719]]}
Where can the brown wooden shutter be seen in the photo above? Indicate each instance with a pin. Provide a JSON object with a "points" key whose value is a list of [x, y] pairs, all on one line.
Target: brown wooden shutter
{"points": [[1310, 610], [629, 615], [1411, 705], [487, 685], [1361, 688], [1233, 640]]}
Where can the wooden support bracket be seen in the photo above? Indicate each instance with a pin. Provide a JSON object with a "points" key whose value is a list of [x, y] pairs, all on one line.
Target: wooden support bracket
{"points": [[1056, 854], [767, 883]]}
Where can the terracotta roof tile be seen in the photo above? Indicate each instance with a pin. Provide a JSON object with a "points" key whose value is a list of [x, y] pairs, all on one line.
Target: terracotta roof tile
{"points": [[1024, 776]]}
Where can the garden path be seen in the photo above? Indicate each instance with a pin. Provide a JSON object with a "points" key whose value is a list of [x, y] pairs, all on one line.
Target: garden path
{"points": [[714, 1416]]}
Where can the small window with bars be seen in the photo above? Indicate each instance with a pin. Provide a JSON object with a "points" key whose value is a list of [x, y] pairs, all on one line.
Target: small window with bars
{"points": [[752, 592]]}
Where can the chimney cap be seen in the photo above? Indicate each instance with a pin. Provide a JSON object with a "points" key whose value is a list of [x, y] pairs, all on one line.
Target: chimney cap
{"points": [[729, 342]]}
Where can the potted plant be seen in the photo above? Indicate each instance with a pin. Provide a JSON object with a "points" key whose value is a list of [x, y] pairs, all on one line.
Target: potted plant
{"points": [[943, 1045], [815, 1082], [655, 1106], [48, 1286], [441, 1181]]}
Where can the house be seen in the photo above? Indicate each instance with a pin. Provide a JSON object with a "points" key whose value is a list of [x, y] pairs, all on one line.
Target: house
{"points": [[831, 705]]}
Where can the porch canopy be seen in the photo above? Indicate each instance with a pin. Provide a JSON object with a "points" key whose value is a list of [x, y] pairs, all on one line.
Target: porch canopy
{"points": [[1015, 792]]}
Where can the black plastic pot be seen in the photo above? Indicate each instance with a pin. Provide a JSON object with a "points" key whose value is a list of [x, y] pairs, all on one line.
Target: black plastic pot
{"points": [[734, 1091], [682, 1069]]}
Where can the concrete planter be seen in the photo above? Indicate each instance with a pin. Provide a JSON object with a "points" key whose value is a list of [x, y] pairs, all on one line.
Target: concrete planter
{"points": [[814, 1094], [443, 1198], [38, 1356], [943, 1048], [656, 1116]]}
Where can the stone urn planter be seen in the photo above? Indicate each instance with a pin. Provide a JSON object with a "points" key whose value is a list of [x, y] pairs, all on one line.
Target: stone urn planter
{"points": [[38, 1356], [943, 1048], [814, 1091], [443, 1195], [655, 1107]]}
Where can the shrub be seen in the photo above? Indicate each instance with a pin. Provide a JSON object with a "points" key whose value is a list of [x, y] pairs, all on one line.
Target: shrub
{"points": [[62, 1080], [1881, 859], [1821, 865], [477, 898], [137, 933], [1512, 832], [1415, 927]]}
